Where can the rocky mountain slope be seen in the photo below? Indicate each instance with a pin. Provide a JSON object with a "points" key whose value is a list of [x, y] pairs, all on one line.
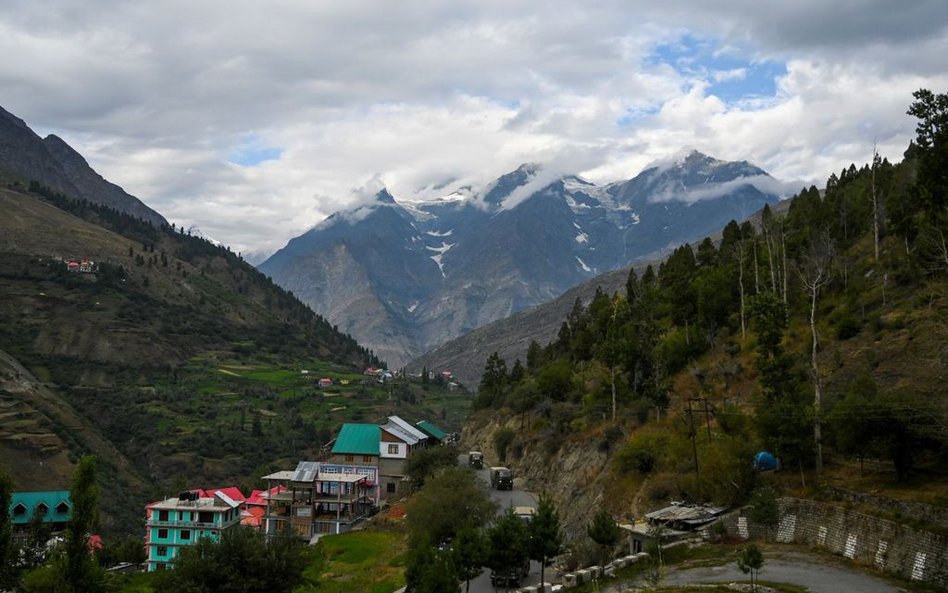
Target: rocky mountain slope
{"points": [[54, 164], [404, 276], [510, 337], [125, 361]]}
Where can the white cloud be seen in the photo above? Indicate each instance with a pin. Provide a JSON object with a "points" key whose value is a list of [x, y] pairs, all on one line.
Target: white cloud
{"points": [[159, 95]]}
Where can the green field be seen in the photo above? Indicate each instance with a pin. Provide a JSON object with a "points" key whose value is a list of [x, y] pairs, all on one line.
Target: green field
{"points": [[365, 561]]}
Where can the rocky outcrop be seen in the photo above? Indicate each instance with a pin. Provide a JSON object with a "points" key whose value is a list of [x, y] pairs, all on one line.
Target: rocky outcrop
{"points": [[573, 475]]}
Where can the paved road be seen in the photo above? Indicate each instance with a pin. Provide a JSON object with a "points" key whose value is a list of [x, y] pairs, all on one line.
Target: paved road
{"points": [[811, 571], [818, 574], [505, 498]]}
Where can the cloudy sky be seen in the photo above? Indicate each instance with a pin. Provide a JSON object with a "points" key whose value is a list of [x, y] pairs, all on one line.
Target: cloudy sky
{"points": [[255, 120]]}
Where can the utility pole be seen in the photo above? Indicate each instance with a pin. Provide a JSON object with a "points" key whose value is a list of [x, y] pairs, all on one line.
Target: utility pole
{"points": [[693, 434]]}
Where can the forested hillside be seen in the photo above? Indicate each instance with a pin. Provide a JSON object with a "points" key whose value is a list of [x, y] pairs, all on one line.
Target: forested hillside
{"points": [[819, 335], [170, 358]]}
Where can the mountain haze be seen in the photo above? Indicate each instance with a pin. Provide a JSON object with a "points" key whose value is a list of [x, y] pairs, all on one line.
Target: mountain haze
{"points": [[405, 276]]}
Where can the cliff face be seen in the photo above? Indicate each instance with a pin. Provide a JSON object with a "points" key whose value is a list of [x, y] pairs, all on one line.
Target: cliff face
{"points": [[574, 475]]}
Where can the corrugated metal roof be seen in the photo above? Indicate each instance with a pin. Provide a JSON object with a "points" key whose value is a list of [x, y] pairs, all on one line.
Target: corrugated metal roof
{"points": [[306, 471], [357, 439], [28, 502], [221, 496], [431, 429], [400, 432], [420, 436]]}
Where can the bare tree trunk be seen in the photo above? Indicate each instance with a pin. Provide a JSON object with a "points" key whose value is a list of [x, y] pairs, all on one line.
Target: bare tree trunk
{"points": [[770, 259], [612, 370], [817, 393], [740, 284], [815, 273], [875, 202], [756, 271], [783, 251]]}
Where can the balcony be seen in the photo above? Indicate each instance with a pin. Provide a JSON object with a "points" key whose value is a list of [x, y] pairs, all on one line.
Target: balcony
{"points": [[192, 524]]}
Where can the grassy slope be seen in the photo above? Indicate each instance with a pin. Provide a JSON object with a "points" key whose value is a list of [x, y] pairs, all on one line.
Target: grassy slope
{"points": [[189, 378]]}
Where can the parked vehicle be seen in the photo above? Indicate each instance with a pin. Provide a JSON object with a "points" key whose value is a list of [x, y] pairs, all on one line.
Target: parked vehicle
{"points": [[510, 578], [501, 478], [525, 513], [475, 459]]}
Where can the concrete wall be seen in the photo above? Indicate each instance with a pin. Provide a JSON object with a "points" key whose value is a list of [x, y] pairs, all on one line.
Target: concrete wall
{"points": [[889, 546]]}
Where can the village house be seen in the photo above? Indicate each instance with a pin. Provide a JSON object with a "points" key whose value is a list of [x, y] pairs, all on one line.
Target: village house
{"points": [[385, 448], [314, 500], [54, 507], [399, 440], [435, 434], [176, 522], [325, 382]]}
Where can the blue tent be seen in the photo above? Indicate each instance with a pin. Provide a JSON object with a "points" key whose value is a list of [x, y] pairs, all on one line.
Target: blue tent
{"points": [[765, 462]]}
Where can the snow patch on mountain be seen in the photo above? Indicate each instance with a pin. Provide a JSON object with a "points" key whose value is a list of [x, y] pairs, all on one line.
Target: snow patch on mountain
{"points": [[583, 265], [582, 238], [440, 250], [575, 206], [446, 233]]}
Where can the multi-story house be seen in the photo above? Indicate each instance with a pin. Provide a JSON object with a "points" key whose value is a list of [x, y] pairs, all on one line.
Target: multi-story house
{"points": [[398, 441], [311, 501], [177, 522]]}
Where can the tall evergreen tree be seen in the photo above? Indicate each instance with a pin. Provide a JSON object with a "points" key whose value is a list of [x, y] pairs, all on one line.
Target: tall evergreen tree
{"points": [[8, 552], [545, 533], [81, 569]]}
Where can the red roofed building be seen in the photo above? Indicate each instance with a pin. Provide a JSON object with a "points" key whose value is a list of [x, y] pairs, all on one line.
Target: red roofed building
{"points": [[232, 491]]}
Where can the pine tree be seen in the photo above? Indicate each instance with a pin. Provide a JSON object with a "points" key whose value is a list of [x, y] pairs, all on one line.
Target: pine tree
{"points": [[546, 534]]}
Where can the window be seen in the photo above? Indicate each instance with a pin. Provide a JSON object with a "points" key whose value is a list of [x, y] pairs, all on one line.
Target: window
{"points": [[390, 487], [42, 508], [162, 534], [393, 449], [205, 517], [186, 534], [366, 459], [19, 509], [350, 458], [162, 515], [162, 550], [62, 508]]}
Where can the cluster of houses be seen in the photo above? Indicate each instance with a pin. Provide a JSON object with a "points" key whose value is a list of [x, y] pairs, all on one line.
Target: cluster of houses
{"points": [[364, 467], [80, 266]]}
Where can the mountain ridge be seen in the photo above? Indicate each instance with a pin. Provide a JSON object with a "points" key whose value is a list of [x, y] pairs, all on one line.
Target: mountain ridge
{"points": [[431, 271], [51, 162]]}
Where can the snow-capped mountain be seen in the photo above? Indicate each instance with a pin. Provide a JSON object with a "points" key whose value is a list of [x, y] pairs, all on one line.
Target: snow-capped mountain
{"points": [[403, 277]]}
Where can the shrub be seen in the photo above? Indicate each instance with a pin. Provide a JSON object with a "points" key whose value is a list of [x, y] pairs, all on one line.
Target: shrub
{"points": [[641, 454], [503, 437]]}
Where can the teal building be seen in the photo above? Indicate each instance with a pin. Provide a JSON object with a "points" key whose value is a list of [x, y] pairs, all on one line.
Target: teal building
{"points": [[54, 506], [176, 522]]}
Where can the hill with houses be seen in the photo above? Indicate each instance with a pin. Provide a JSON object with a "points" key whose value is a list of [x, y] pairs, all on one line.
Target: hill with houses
{"points": [[165, 355]]}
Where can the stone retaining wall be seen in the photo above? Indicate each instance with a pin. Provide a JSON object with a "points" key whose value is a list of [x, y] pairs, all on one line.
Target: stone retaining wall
{"points": [[904, 508], [892, 547]]}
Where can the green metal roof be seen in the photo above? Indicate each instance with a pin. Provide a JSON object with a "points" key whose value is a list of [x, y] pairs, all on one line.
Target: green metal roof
{"points": [[357, 439], [431, 429], [24, 504]]}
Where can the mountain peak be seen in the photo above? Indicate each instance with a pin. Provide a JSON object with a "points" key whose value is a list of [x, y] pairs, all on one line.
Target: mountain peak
{"points": [[385, 197]]}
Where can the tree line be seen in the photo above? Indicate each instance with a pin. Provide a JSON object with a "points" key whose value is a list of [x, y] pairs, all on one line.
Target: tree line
{"points": [[827, 266]]}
